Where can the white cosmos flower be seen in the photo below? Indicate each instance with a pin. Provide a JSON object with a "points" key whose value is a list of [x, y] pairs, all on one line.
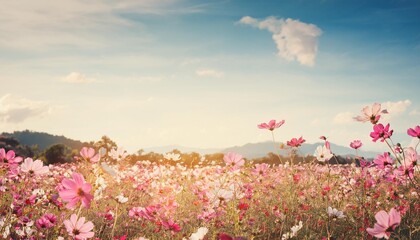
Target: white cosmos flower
{"points": [[322, 153], [199, 235], [172, 156], [121, 198], [332, 212]]}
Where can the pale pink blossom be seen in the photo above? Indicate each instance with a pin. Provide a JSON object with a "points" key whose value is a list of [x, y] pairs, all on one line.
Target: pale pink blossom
{"points": [[78, 228], [385, 223], [234, 160], [371, 114], [33, 167], [89, 155], [260, 169]]}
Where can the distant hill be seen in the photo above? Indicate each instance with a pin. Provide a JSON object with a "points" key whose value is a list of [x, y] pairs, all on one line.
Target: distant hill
{"points": [[169, 148], [43, 140], [256, 150], [249, 150]]}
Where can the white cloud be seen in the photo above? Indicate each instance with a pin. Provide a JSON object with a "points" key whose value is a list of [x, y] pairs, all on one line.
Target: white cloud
{"points": [[209, 73], [15, 109], [295, 40], [76, 77], [396, 108], [343, 118], [414, 112]]}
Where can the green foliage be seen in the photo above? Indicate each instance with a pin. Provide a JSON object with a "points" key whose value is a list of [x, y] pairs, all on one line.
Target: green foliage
{"points": [[58, 153]]}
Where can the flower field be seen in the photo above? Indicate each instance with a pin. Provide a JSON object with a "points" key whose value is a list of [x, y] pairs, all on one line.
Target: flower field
{"points": [[94, 199]]}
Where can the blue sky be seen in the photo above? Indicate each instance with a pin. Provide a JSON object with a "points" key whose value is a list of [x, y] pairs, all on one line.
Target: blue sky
{"points": [[205, 73]]}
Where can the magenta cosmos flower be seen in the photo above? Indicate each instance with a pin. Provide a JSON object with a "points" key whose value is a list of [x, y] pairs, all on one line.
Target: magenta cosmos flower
{"points": [[294, 142], [385, 223], [383, 161], [371, 114], [75, 190], [271, 125], [381, 132], [356, 144], [89, 155], [78, 228], [414, 132], [34, 167]]}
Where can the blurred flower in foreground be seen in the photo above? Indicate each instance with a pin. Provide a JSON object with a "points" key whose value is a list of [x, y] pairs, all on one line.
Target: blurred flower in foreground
{"points": [[385, 223]]}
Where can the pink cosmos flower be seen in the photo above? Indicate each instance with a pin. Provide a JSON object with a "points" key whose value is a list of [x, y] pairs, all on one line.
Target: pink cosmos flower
{"points": [[75, 190], [414, 132], [234, 160], [89, 155], [271, 125], [385, 223], [47, 221], [381, 132], [9, 157], [260, 169], [34, 167], [356, 144], [295, 142], [371, 114], [383, 161], [171, 225], [78, 228], [408, 163]]}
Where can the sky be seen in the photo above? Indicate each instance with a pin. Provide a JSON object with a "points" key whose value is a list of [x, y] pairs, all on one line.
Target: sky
{"points": [[204, 74]]}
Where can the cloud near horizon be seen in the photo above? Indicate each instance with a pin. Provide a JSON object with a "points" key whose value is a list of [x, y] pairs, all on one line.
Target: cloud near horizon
{"points": [[76, 77], [209, 73], [14, 109], [295, 40]]}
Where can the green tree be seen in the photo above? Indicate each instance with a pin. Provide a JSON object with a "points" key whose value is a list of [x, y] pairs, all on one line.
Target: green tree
{"points": [[58, 153]]}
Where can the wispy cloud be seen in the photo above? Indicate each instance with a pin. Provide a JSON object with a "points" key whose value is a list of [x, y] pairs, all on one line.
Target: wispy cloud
{"points": [[295, 40], [14, 109], [396, 108], [33, 25], [209, 73], [343, 118], [414, 112], [76, 77]]}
